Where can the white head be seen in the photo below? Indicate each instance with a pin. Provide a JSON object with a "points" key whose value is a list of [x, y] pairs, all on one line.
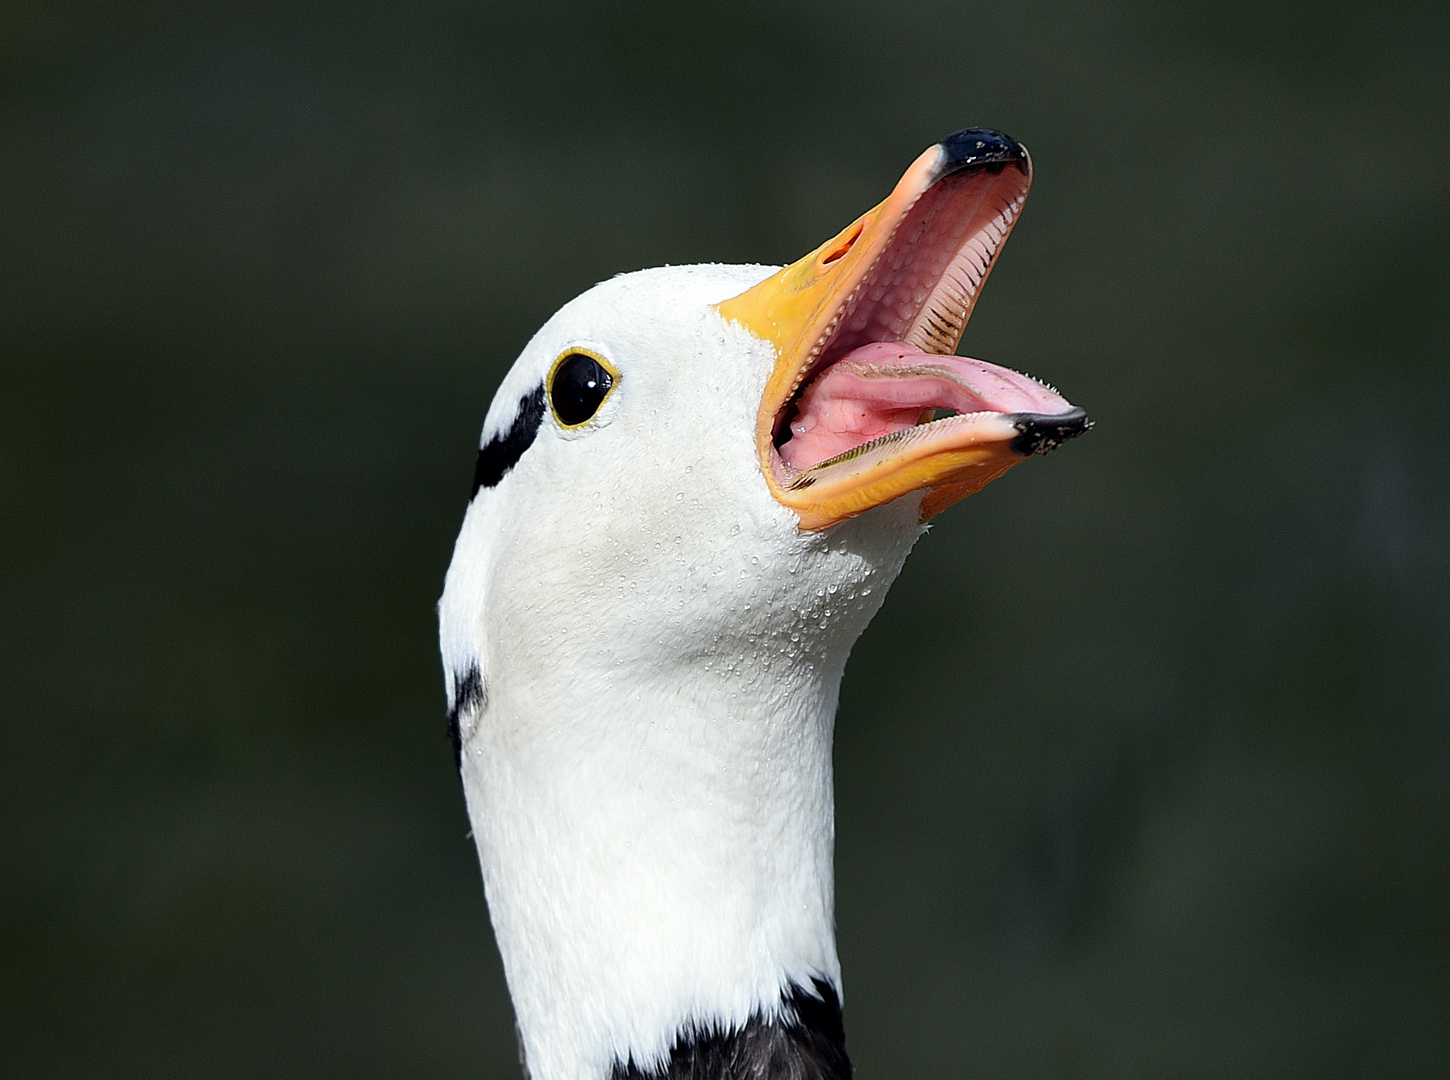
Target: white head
{"points": [[654, 595]]}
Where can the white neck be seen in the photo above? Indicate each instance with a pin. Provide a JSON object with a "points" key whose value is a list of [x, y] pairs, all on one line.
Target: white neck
{"points": [[676, 880], [656, 839]]}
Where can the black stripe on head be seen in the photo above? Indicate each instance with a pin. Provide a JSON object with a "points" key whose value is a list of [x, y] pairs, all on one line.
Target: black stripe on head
{"points": [[468, 693], [806, 1042], [502, 452]]}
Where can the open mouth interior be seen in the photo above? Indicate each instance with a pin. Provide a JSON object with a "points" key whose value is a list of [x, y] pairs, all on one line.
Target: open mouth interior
{"points": [[884, 370]]}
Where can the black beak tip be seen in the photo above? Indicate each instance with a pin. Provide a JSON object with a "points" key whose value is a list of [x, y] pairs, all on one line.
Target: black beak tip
{"points": [[1037, 433], [981, 148]]}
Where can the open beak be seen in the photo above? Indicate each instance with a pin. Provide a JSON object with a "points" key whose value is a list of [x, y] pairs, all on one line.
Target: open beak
{"points": [[866, 401]]}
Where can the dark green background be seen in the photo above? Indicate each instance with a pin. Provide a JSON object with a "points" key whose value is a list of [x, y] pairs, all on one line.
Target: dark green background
{"points": [[1144, 770]]}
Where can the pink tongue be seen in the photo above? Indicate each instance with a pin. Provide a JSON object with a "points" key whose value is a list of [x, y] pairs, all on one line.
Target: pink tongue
{"points": [[888, 386]]}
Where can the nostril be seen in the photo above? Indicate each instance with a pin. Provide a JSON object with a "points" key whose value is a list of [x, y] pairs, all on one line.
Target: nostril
{"points": [[841, 248]]}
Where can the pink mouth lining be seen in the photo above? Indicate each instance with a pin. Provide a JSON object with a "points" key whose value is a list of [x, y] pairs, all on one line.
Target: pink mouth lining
{"points": [[888, 386]]}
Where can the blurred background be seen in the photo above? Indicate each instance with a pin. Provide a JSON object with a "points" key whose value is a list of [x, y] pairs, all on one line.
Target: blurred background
{"points": [[1144, 769]]}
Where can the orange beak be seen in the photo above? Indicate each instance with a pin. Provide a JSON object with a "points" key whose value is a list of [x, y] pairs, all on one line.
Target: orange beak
{"points": [[907, 273]]}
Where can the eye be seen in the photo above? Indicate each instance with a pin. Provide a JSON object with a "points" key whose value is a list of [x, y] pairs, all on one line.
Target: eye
{"points": [[578, 386]]}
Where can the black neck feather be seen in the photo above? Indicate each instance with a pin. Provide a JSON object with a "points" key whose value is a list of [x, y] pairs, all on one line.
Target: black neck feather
{"points": [[804, 1042]]}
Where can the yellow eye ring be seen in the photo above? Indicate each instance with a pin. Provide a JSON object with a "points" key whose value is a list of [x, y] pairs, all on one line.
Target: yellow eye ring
{"points": [[579, 382]]}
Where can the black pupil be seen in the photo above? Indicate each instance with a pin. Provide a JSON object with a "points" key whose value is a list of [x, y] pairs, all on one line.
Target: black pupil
{"points": [[580, 383]]}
